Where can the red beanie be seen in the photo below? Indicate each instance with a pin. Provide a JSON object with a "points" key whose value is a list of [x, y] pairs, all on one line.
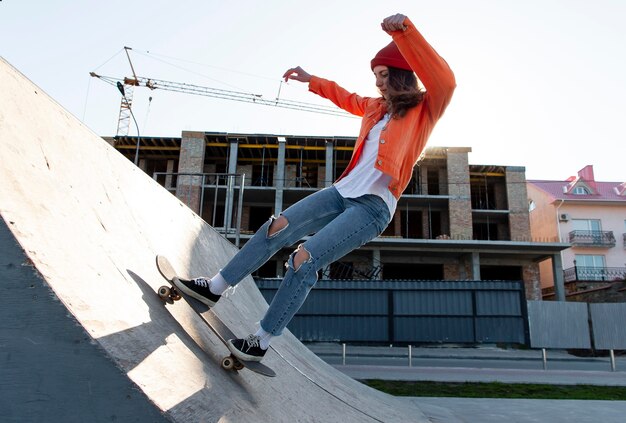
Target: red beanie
{"points": [[390, 56]]}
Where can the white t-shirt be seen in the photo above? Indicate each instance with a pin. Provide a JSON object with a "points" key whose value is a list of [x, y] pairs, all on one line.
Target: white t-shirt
{"points": [[365, 178]]}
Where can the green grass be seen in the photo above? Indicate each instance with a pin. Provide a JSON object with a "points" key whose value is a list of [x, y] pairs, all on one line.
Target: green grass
{"points": [[499, 390]]}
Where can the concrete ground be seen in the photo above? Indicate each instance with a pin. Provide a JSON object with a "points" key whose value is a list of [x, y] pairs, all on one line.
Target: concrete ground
{"points": [[483, 410], [512, 367]]}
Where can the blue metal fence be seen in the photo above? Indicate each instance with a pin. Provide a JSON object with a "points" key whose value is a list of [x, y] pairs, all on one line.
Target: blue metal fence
{"points": [[410, 312]]}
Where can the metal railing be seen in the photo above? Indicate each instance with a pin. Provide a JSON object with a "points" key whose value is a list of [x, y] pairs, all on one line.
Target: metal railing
{"points": [[592, 238], [341, 270], [288, 183], [588, 273]]}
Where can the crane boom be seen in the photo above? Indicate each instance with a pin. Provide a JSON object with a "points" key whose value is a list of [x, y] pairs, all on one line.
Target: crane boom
{"points": [[153, 84]]}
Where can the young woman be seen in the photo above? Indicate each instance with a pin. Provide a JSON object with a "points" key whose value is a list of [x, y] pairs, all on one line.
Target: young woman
{"points": [[361, 203]]}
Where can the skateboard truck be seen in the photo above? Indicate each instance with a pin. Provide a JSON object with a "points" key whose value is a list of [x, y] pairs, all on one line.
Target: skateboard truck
{"points": [[170, 294]]}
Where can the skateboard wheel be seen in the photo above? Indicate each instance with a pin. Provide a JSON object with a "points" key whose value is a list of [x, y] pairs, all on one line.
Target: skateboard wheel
{"points": [[164, 292], [228, 363], [238, 365]]}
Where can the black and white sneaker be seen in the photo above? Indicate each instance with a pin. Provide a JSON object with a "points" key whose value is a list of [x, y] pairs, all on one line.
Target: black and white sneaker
{"points": [[248, 349], [197, 288]]}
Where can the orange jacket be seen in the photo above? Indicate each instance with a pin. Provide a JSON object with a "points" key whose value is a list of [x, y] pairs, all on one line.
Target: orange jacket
{"points": [[402, 140]]}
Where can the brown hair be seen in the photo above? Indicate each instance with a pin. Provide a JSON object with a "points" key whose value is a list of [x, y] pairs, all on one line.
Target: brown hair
{"points": [[404, 91]]}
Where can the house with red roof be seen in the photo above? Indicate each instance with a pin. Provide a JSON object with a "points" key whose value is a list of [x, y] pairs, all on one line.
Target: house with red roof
{"points": [[591, 216]]}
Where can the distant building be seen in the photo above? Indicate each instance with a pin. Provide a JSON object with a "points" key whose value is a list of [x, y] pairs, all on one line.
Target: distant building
{"points": [[591, 217], [455, 221]]}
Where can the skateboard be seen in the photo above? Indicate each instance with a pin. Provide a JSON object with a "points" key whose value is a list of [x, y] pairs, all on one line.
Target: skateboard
{"points": [[170, 294]]}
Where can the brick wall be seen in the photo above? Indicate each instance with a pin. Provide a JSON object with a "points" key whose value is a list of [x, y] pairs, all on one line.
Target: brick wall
{"points": [[532, 285], [519, 221], [321, 175], [245, 218], [290, 176], [452, 271], [191, 160], [247, 170], [460, 205]]}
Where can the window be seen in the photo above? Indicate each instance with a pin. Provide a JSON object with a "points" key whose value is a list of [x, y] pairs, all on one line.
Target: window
{"points": [[590, 267], [586, 260], [589, 232], [586, 225], [580, 190]]}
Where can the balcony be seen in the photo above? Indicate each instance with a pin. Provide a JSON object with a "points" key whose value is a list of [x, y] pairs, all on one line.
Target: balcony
{"points": [[585, 273], [601, 239]]}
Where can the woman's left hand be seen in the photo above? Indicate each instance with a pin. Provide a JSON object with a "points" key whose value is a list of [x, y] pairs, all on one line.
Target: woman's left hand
{"points": [[298, 74], [394, 23]]}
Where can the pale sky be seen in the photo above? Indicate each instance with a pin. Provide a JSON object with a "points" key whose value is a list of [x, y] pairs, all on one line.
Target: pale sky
{"points": [[541, 83]]}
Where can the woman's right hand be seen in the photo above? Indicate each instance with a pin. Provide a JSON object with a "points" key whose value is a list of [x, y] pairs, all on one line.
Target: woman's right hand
{"points": [[394, 23], [297, 74]]}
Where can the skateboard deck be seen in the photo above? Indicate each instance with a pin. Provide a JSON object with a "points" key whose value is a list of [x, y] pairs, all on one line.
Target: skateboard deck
{"points": [[170, 294]]}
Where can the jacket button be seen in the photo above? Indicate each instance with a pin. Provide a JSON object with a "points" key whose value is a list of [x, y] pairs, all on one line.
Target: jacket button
{"points": [[380, 162], [382, 141]]}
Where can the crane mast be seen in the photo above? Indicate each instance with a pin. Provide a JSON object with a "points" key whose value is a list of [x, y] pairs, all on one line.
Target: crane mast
{"points": [[123, 120]]}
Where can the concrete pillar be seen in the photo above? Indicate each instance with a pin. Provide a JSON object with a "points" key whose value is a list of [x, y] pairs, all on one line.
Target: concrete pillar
{"points": [[559, 281], [230, 194], [328, 179], [423, 190], [233, 155], [475, 266], [191, 160], [168, 176], [279, 176], [426, 223]]}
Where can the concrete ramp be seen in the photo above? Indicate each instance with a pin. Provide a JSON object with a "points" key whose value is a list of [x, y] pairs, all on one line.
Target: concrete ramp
{"points": [[85, 338]]}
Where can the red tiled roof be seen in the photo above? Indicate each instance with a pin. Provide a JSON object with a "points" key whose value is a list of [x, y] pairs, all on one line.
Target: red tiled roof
{"points": [[606, 191]]}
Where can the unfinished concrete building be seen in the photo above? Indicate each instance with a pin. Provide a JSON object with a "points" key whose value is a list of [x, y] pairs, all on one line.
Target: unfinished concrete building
{"points": [[455, 221]]}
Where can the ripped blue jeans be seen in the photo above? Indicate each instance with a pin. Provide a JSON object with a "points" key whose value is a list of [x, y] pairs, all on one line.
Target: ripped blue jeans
{"points": [[339, 225]]}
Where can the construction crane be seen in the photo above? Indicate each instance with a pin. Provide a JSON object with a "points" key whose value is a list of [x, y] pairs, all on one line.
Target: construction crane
{"points": [[153, 84]]}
